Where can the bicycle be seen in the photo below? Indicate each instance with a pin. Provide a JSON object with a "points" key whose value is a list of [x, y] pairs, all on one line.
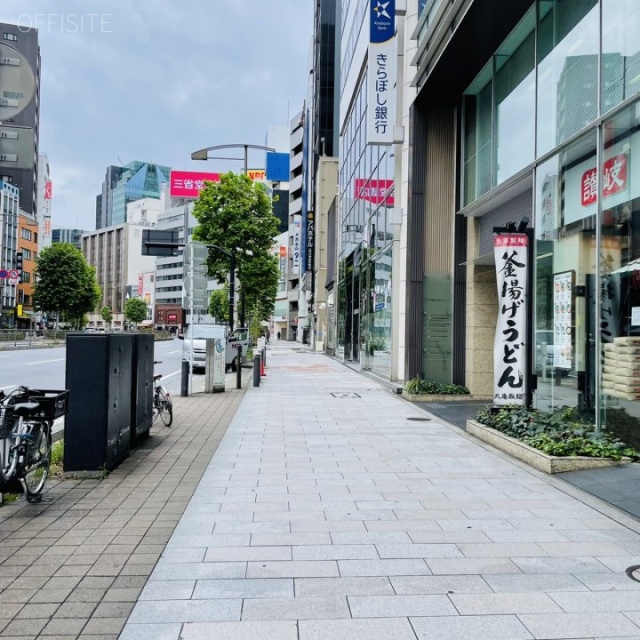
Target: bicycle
{"points": [[162, 405], [26, 422]]}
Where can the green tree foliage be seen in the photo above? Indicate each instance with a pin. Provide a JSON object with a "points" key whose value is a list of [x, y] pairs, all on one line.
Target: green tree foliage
{"points": [[65, 284], [219, 305], [107, 315], [236, 214], [135, 310]]}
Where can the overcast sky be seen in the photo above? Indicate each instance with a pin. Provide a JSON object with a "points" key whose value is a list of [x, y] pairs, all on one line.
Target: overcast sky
{"points": [[154, 80]]}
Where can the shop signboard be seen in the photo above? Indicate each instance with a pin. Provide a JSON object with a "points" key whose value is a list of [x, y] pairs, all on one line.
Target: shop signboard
{"points": [[563, 287], [297, 243], [381, 73], [509, 350]]}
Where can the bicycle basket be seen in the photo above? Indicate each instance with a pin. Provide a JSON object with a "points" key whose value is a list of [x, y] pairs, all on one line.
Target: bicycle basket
{"points": [[7, 421], [53, 403]]}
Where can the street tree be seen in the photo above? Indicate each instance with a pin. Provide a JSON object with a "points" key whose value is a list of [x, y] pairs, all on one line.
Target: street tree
{"points": [[236, 215], [219, 304], [107, 315], [135, 310], [65, 284]]}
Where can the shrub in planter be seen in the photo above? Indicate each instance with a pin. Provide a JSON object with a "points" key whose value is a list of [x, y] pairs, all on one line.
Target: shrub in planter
{"points": [[561, 433], [418, 386]]}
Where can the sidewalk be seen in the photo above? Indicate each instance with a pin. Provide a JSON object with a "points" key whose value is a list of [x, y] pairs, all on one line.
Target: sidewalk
{"points": [[331, 510]]}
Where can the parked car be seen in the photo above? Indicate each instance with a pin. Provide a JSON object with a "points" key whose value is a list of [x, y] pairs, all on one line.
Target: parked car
{"points": [[202, 332]]}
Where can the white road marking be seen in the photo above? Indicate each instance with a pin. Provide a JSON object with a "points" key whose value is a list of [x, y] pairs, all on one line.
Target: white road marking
{"points": [[177, 351], [45, 361]]}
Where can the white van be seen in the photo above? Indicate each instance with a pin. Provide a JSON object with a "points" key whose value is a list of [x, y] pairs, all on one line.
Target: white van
{"points": [[202, 332]]}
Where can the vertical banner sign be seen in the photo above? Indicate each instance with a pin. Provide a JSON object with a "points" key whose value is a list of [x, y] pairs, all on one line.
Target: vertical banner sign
{"points": [[297, 243], [509, 349], [381, 72]]}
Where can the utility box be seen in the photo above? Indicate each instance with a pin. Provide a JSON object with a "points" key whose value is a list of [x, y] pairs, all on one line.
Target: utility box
{"points": [[97, 431], [142, 387], [215, 365]]}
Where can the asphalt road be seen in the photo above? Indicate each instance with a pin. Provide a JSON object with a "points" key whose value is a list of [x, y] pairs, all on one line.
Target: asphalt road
{"points": [[45, 368]]}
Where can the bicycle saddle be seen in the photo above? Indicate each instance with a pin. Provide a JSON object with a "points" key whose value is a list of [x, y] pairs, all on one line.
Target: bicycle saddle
{"points": [[25, 409]]}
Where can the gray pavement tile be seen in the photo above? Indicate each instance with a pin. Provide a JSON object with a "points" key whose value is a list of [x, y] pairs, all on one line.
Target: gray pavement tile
{"points": [[414, 585], [75, 610], [247, 588], [298, 608], [343, 586], [199, 570], [544, 535], [289, 539], [218, 554], [64, 627], [501, 550], [468, 566], [293, 569], [321, 525], [103, 626], [168, 590], [400, 606], [560, 565], [37, 610], [155, 611], [189, 554], [233, 631], [372, 537], [151, 632], [20, 627], [113, 610], [607, 582], [504, 603], [600, 601], [418, 551], [9, 610], [86, 595], [50, 595], [335, 552], [380, 629], [556, 626], [124, 594], [535, 582], [471, 628], [411, 567], [214, 540], [566, 549]]}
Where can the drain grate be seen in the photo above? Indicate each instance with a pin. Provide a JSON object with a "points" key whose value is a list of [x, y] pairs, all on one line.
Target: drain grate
{"points": [[634, 572], [345, 394], [420, 419], [435, 405]]}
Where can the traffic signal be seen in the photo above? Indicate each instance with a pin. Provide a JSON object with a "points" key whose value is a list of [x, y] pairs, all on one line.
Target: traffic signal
{"points": [[19, 265]]}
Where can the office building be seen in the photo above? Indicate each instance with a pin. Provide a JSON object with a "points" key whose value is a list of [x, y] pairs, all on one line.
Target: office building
{"points": [[123, 185], [20, 111], [9, 213], [71, 236]]}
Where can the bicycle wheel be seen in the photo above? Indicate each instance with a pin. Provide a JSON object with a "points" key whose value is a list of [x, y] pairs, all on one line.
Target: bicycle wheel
{"points": [[38, 459], [6, 455], [165, 408]]}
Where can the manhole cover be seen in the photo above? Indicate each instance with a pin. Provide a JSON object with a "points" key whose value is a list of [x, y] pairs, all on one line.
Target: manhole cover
{"points": [[420, 419], [345, 394], [634, 572]]}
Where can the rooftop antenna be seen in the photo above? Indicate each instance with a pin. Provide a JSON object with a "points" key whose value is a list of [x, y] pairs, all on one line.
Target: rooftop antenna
{"points": [[120, 161]]}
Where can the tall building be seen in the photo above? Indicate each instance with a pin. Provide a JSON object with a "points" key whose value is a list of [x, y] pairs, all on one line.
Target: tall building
{"points": [[123, 185], [45, 196], [71, 236], [28, 243], [9, 213], [20, 111]]}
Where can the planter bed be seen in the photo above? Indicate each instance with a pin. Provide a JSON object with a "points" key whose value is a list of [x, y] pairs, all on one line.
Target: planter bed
{"points": [[435, 397], [536, 458]]}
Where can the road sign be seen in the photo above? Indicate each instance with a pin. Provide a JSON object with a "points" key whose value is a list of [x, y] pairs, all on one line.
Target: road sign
{"points": [[4, 273], [13, 274], [13, 280]]}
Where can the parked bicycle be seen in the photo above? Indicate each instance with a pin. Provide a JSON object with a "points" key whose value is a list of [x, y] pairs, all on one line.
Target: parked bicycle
{"points": [[162, 405], [26, 422]]}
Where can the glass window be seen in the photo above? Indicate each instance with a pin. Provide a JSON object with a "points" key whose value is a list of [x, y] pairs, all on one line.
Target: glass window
{"points": [[619, 294], [620, 51], [567, 69], [564, 267]]}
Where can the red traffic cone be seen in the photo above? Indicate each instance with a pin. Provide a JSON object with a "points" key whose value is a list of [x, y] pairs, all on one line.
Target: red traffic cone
{"points": [[262, 371]]}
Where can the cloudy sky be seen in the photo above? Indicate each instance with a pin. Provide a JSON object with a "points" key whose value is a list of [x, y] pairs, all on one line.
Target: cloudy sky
{"points": [[155, 80]]}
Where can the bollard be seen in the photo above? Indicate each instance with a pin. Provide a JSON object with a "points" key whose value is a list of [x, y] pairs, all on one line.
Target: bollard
{"points": [[184, 380], [265, 355], [256, 370], [239, 369], [262, 371]]}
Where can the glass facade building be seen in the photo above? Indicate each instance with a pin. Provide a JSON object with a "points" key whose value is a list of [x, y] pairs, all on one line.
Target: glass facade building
{"points": [[549, 130], [366, 196]]}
